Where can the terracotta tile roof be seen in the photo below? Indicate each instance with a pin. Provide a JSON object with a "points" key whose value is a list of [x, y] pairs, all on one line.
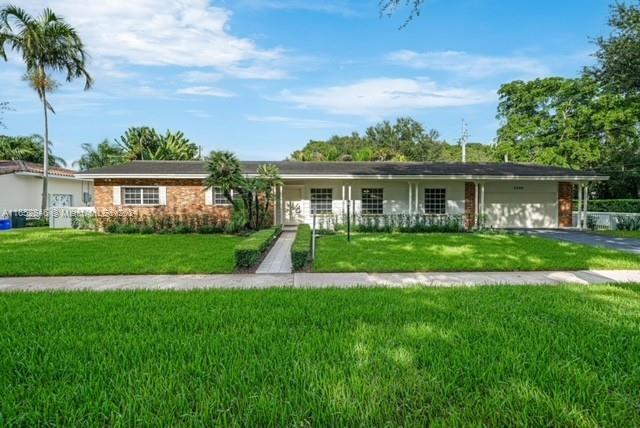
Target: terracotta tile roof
{"points": [[17, 166]]}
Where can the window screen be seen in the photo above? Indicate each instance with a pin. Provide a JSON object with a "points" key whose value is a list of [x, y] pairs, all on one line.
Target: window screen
{"points": [[321, 200], [435, 201], [372, 201]]}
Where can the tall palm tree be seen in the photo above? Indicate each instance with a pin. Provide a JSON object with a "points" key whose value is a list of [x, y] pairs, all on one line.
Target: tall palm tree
{"points": [[47, 45], [104, 154]]}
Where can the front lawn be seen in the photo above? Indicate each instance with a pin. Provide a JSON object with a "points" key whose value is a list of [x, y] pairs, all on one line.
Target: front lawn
{"points": [[621, 233], [49, 252], [397, 252], [497, 356]]}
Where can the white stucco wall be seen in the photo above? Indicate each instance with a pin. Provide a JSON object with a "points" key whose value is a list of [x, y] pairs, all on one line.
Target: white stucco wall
{"points": [[24, 191]]}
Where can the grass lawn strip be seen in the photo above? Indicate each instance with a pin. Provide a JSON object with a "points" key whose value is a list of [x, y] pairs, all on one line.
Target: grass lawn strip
{"points": [[397, 252], [50, 252], [498, 356]]}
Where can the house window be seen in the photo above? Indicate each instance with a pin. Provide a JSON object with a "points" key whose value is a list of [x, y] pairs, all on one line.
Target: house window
{"points": [[435, 201], [321, 200], [218, 197], [372, 201], [141, 195]]}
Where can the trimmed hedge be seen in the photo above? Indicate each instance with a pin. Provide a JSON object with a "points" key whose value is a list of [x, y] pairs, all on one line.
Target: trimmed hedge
{"points": [[612, 205], [301, 248], [248, 252]]}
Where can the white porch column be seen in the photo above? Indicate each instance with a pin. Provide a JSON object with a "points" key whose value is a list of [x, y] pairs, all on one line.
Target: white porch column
{"points": [[417, 199], [281, 204], [476, 211], [579, 206], [585, 202], [482, 203], [410, 197], [274, 189], [343, 203]]}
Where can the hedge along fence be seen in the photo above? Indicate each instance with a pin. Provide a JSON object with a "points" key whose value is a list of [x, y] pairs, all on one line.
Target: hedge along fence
{"points": [[165, 223], [301, 248], [248, 252], [612, 205]]}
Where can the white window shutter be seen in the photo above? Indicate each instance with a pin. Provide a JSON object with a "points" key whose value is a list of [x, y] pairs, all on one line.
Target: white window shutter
{"points": [[208, 196], [117, 192], [162, 195]]}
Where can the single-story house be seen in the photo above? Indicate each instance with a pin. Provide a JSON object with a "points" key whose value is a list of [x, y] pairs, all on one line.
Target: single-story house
{"points": [[21, 187], [504, 195]]}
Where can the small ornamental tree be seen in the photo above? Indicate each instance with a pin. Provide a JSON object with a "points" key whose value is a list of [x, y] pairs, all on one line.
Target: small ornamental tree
{"points": [[250, 197]]}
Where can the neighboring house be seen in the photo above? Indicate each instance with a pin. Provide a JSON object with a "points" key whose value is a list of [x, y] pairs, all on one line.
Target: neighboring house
{"points": [[21, 187], [504, 194]]}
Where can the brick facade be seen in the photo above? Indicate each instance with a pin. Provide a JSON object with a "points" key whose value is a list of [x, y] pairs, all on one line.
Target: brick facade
{"points": [[469, 204], [184, 197], [565, 204]]}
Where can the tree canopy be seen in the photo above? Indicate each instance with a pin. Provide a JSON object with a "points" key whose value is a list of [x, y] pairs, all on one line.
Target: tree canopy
{"points": [[27, 148], [404, 140]]}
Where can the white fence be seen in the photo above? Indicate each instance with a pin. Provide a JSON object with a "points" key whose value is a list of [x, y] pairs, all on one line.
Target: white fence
{"points": [[60, 218], [604, 221]]}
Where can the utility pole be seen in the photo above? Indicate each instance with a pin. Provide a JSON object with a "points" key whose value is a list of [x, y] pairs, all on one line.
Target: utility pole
{"points": [[463, 140]]}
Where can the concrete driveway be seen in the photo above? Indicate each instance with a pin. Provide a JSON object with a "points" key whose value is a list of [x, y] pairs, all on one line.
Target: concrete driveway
{"points": [[588, 238]]}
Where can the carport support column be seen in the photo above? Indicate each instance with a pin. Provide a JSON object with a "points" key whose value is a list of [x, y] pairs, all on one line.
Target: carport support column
{"points": [[579, 205], [585, 203], [281, 207], [476, 211]]}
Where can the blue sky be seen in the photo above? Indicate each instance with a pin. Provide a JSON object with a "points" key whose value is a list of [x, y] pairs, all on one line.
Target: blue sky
{"points": [[262, 77]]}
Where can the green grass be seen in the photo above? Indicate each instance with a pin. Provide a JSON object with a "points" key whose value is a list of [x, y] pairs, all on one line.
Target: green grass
{"points": [[621, 233], [497, 356], [50, 252], [378, 252]]}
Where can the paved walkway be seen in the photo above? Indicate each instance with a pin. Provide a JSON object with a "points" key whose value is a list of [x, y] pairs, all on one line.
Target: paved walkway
{"points": [[315, 280], [278, 260], [579, 237]]}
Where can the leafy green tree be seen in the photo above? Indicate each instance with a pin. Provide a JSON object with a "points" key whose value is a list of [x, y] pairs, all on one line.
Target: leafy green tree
{"points": [[618, 55], [30, 149], [404, 140], [571, 123], [47, 45], [389, 7], [4, 106], [255, 194], [145, 143], [103, 154]]}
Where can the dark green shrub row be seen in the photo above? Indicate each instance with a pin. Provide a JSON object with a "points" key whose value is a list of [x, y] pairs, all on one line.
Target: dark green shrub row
{"points": [[37, 222], [249, 251], [405, 223], [612, 205], [166, 224], [628, 223], [301, 248]]}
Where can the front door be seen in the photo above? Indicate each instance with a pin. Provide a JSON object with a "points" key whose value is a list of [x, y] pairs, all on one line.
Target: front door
{"points": [[293, 205]]}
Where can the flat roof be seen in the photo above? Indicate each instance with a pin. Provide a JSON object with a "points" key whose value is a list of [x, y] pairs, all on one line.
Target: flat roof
{"points": [[297, 169]]}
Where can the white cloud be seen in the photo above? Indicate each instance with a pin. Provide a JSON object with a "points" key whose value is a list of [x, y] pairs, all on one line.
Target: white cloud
{"points": [[299, 122], [199, 113], [208, 91], [469, 65], [196, 76], [373, 97], [185, 33]]}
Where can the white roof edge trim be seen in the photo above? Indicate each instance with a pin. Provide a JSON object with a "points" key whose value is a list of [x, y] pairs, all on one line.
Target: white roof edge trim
{"points": [[369, 177]]}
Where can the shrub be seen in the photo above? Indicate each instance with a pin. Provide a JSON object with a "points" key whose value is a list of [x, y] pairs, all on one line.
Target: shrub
{"points": [[612, 205], [37, 222], [168, 223], [249, 251], [301, 248], [628, 223], [84, 221]]}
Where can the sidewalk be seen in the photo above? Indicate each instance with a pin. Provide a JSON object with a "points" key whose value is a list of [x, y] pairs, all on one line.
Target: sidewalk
{"points": [[315, 280]]}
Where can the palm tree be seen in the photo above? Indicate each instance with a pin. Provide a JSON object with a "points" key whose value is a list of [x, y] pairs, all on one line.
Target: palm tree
{"points": [[47, 45], [104, 154]]}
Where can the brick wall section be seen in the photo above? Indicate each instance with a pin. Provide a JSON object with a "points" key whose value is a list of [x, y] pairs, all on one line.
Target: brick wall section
{"points": [[565, 204], [469, 204], [184, 197]]}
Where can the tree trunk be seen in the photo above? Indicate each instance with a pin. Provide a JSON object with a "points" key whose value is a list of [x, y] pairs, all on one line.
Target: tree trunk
{"points": [[45, 173]]}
